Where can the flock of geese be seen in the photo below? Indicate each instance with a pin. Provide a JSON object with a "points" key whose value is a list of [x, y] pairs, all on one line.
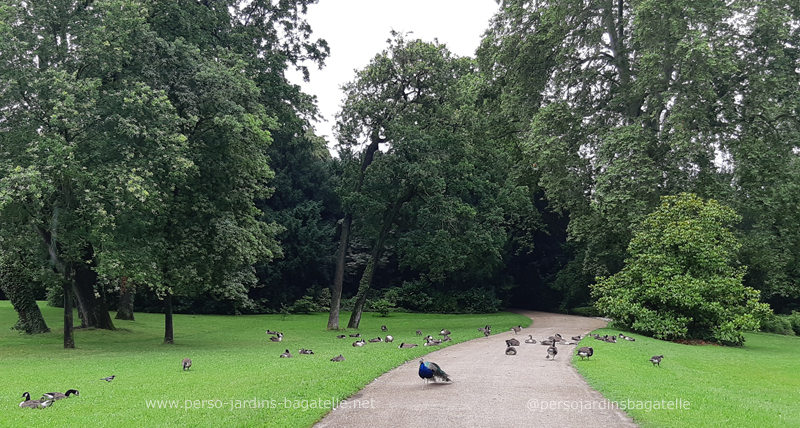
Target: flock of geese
{"points": [[47, 399], [429, 341]]}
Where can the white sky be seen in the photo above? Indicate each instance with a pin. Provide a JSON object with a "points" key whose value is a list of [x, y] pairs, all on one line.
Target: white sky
{"points": [[356, 30]]}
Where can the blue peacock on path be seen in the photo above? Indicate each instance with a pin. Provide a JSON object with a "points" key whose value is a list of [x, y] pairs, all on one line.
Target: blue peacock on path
{"points": [[431, 370]]}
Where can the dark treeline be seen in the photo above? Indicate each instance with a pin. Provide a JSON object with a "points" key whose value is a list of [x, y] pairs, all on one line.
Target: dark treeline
{"points": [[156, 158]]}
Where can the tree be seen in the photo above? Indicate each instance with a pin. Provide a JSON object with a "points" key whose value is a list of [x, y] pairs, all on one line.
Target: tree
{"points": [[681, 279]]}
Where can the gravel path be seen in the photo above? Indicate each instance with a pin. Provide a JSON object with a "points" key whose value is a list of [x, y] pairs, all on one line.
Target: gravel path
{"points": [[489, 388]]}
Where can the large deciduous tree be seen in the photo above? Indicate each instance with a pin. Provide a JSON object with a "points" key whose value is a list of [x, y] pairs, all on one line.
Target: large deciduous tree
{"points": [[682, 279]]}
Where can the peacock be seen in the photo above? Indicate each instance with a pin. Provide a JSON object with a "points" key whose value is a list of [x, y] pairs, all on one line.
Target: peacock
{"points": [[431, 370]]}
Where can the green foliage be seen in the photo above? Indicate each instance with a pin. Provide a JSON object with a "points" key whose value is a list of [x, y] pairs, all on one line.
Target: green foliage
{"points": [[586, 311], [782, 324], [304, 305], [382, 307], [743, 386], [681, 280], [420, 296]]}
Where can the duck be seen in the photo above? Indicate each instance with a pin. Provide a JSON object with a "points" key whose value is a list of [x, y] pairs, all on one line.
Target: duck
{"points": [[359, 342], [277, 338], [551, 352], [512, 342], [376, 340], [388, 339], [585, 352], [304, 351], [60, 395], [511, 350], [516, 329], [34, 404], [338, 359], [407, 345], [530, 339], [187, 363], [656, 360], [384, 328], [286, 354]]}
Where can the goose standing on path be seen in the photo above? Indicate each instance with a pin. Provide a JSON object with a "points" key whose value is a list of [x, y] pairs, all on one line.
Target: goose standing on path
{"points": [[517, 329], [551, 352]]}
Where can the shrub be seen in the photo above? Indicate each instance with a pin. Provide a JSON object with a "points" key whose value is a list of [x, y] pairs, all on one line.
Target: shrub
{"points": [[304, 305], [586, 311]]}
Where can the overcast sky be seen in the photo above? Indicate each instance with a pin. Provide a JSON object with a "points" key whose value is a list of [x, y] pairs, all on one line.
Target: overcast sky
{"points": [[356, 30]]}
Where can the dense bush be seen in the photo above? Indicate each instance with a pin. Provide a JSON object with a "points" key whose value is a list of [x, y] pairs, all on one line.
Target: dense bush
{"points": [[419, 296], [782, 324], [682, 280]]}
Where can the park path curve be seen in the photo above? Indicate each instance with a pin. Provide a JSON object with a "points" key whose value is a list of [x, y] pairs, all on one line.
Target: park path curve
{"points": [[489, 388]]}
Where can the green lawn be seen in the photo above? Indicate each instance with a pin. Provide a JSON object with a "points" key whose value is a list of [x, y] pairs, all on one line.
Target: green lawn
{"points": [[757, 385], [235, 368]]}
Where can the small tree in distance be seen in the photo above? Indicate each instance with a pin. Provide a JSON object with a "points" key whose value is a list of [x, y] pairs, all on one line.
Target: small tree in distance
{"points": [[682, 280]]}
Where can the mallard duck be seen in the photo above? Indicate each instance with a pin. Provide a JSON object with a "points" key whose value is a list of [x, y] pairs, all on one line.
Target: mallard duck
{"points": [[60, 395], [277, 338], [286, 354], [187, 363], [337, 359]]}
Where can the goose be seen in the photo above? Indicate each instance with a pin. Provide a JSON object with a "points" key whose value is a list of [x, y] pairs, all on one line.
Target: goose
{"points": [[511, 350], [187, 363], [60, 395], [585, 352], [631, 339], [577, 338], [359, 343], [487, 332], [517, 329], [388, 339], [656, 360], [407, 345], [286, 354], [512, 342], [556, 338], [548, 342], [551, 352], [433, 342], [429, 337], [612, 339], [271, 332], [34, 404], [419, 332], [356, 335], [341, 336], [447, 339], [444, 332], [304, 351], [383, 328], [277, 338], [375, 340], [337, 359]]}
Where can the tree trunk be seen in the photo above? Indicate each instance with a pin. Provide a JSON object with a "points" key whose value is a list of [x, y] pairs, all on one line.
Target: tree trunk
{"points": [[168, 331], [127, 290], [69, 340], [338, 278], [344, 240], [93, 310], [377, 251], [14, 283]]}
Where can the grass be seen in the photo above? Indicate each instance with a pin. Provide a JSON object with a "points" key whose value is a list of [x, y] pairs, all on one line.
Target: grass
{"points": [[236, 369], [754, 385]]}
